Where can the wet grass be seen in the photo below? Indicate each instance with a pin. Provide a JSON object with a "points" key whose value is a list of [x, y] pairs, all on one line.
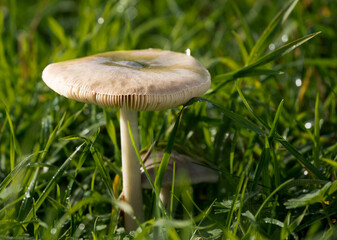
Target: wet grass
{"points": [[268, 125]]}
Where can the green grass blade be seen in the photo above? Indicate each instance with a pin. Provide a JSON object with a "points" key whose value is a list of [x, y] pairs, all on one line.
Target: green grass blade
{"points": [[168, 150], [12, 141], [231, 63], [18, 168], [290, 227], [24, 208], [265, 202], [249, 69], [71, 119], [269, 32], [313, 197], [52, 137], [280, 51], [172, 189], [331, 162], [111, 131], [276, 119], [276, 167], [316, 133], [51, 184], [102, 170], [232, 152], [242, 47], [234, 202], [246, 29], [140, 160], [57, 30], [262, 164], [245, 102], [231, 115], [242, 197], [241, 74], [304, 162]]}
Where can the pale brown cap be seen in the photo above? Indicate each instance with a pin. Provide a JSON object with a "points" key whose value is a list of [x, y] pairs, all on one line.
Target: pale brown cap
{"points": [[138, 80], [196, 170]]}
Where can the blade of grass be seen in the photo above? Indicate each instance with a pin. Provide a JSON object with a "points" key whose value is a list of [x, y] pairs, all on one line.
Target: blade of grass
{"points": [[246, 29], [24, 208], [269, 32], [253, 127], [234, 202], [242, 197], [52, 138], [204, 215], [270, 136], [304, 162], [12, 146], [111, 131], [237, 85], [17, 169], [243, 72], [53, 182], [264, 203], [229, 114], [172, 189], [316, 133], [262, 164], [276, 119], [331, 162], [168, 150], [102, 170], [232, 152], [141, 161], [255, 72], [242, 47], [57, 30]]}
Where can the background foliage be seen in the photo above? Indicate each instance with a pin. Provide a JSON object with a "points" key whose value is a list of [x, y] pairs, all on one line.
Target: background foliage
{"points": [[269, 127]]}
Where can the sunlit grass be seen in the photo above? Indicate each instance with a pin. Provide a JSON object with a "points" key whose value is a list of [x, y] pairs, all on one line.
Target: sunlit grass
{"points": [[268, 125]]}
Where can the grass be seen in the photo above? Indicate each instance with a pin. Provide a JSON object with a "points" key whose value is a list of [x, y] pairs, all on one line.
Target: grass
{"points": [[268, 124]]}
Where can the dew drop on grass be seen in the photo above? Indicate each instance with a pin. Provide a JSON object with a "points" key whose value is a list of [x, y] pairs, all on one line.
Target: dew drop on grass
{"points": [[27, 194], [308, 125], [100, 20], [120, 9], [285, 38], [272, 46], [298, 82], [213, 131], [132, 12], [81, 226], [85, 131], [53, 231], [86, 111]]}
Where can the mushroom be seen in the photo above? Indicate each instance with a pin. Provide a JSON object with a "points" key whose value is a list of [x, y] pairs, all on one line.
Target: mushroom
{"points": [[138, 80], [195, 170]]}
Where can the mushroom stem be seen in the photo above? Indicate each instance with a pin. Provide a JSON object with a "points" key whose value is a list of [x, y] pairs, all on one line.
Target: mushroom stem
{"points": [[165, 195], [132, 188]]}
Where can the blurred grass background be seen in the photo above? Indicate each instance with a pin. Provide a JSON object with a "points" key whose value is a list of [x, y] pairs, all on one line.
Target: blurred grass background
{"points": [[39, 130]]}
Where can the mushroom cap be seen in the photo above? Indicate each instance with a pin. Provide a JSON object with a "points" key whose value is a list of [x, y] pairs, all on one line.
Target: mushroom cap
{"points": [[149, 79], [196, 170]]}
